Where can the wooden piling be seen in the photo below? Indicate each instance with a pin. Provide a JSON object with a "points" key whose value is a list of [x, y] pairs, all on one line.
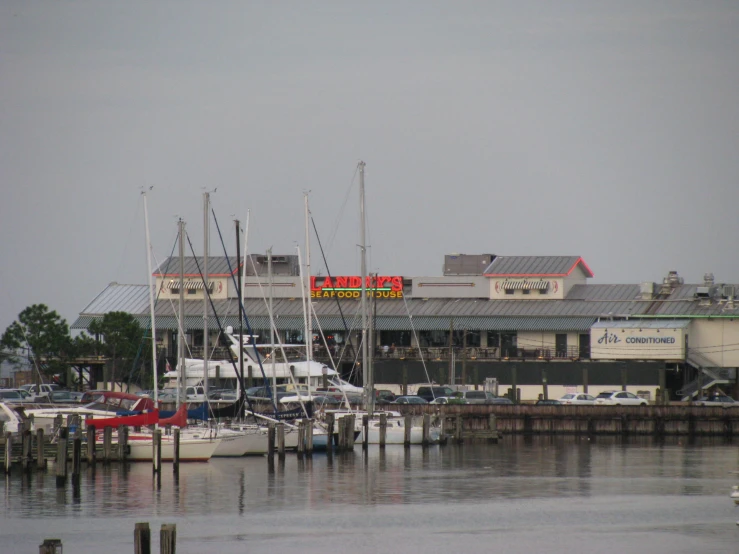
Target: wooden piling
{"points": [[91, 438], [156, 457], [76, 458], [330, 420], [365, 431], [50, 546], [383, 429], [309, 437], [281, 440], [458, 427], [271, 439], [142, 538], [493, 427], [108, 444], [27, 455], [342, 434], [301, 438], [407, 426], [426, 437], [168, 538], [61, 457], [350, 432], [58, 422], [176, 453], [40, 454], [8, 460], [123, 443]]}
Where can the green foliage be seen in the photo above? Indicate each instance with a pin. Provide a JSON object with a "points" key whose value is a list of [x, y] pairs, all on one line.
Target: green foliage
{"points": [[39, 334], [120, 333]]}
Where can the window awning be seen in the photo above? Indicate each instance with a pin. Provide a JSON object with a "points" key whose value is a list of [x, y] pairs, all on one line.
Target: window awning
{"points": [[523, 284], [189, 285]]}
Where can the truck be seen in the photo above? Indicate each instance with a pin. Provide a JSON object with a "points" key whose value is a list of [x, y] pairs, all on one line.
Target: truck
{"points": [[40, 393]]}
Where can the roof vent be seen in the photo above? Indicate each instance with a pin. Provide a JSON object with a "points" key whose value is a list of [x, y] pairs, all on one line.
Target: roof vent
{"points": [[647, 290], [708, 279], [670, 282], [729, 291]]}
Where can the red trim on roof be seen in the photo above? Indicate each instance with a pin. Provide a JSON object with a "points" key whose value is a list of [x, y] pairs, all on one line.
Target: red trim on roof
{"points": [[587, 269]]}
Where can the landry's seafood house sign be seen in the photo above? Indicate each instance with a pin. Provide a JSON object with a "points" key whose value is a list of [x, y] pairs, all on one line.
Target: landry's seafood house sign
{"points": [[380, 286]]}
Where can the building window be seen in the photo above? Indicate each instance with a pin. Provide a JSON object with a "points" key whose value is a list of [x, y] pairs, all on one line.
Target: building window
{"points": [[191, 291], [526, 291], [542, 291], [174, 291], [509, 291]]}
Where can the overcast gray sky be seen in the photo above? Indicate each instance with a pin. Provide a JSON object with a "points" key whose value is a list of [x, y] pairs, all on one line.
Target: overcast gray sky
{"points": [[602, 129]]}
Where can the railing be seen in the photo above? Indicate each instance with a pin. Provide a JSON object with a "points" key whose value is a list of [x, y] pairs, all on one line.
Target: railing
{"points": [[433, 353], [707, 378]]}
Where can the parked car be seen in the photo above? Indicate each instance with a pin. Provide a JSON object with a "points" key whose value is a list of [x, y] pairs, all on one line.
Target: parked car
{"points": [[502, 400], [410, 399], [429, 393], [63, 397], [578, 398], [384, 396], [722, 400], [41, 392], [10, 396], [548, 402], [478, 397], [620, 398]]}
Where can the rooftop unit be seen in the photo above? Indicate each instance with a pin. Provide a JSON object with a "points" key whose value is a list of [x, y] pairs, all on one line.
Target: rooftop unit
{"points": [[467, 264], [670, 283], [281, 265]]}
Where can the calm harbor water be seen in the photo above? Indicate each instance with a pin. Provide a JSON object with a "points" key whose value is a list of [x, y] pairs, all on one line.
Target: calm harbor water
{"points": [[541, 494]]}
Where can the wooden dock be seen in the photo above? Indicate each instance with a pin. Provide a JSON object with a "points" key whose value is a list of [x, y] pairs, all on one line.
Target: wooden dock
{"points": [[528, 419]]}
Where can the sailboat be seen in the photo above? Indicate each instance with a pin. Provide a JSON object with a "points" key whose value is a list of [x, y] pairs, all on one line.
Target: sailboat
{"points": [[395, 432]]}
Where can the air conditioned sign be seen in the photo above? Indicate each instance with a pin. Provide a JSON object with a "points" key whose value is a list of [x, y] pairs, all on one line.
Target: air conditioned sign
{"points": [[633, 343], [380, 286]]}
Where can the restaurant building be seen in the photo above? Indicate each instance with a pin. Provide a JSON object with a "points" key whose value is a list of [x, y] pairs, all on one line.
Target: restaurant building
{"points": [[530, 322]]}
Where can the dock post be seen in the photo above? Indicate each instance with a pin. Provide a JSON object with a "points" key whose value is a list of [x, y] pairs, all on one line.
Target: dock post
{"points": [[271, 439], [176, 453], [61, 457], [342, 433], [91, 445], [309, 437], [122, 443], [168, 538], [108, 444], [58, 422], [383, 430], [301, 438], [458, 427], [365, 431], [27, 460], [330, 419], [156, 455], [40, 450], [585, 378], [8, 461], [404, 388], [407, 426], [281, 440], [493, 427], [142, 539], [426, 430], [76, 459], [350, 431], [50, 546]]}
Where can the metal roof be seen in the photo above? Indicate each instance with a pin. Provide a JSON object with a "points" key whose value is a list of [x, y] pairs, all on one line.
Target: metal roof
{"points": [[583, 303], [536, 265], [643, 324], [217, 265]]}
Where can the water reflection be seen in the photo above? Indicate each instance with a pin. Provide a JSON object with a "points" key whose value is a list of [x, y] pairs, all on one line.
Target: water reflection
{"points": [[517, 468]]}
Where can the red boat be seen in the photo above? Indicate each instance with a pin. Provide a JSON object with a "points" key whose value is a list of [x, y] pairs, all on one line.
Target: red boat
{"points": [[148, 417]]}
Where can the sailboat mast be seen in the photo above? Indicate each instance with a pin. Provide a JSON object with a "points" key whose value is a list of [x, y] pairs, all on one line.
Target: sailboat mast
{"points": [[362, 237], [151, 306], [306, 277], [271, 325], [206, 225], [240, 270], [182, 373]]}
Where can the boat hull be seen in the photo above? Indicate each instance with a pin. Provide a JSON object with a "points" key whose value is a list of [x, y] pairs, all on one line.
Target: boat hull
{"points": [[191, 450]]}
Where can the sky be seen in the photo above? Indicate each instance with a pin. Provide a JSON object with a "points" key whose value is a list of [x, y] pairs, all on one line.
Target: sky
{"points": [[601, 129]]}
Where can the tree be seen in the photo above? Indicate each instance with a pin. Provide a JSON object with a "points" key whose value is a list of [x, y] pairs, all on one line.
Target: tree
{"points": [[121, 337], [40, 335]]}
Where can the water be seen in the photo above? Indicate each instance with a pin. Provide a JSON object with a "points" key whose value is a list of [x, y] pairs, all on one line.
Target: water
{"points": [[543, 494]]}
